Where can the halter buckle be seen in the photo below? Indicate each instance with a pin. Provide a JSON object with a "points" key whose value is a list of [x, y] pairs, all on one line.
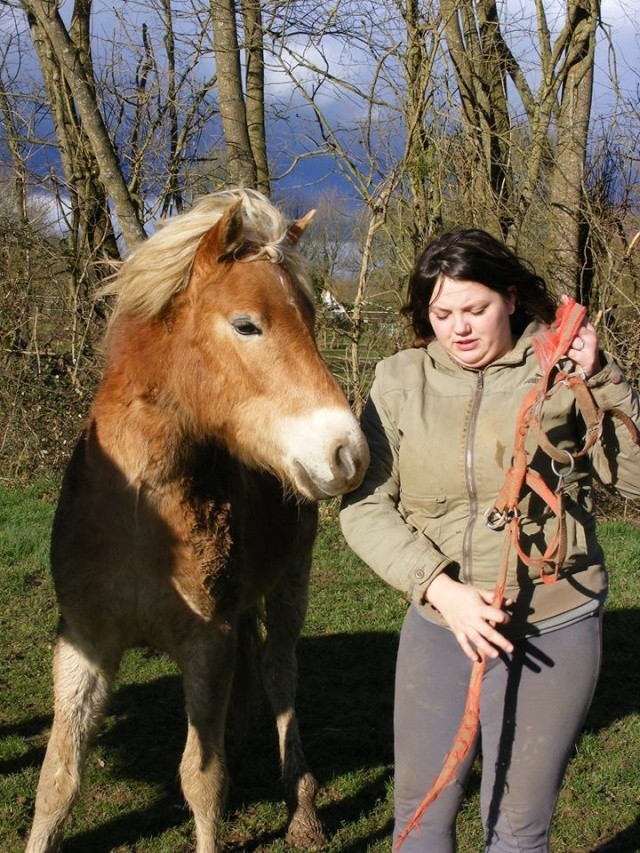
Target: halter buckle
{"points": [[496, 519]]}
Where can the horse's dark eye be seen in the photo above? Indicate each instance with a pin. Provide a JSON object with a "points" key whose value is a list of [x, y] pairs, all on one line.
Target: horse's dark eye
{"points": [[245, 326]]}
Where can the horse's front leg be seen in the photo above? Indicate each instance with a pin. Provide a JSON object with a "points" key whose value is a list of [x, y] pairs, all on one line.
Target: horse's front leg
{"points": [[82, 678], [207, 663], [285, 610]]}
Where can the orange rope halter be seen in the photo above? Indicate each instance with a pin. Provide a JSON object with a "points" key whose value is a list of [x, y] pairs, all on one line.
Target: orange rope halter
{"points": [[550, 345]]}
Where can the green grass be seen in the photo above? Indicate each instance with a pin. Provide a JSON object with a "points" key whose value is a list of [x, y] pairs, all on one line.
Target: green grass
{"points": [[131, 799]]}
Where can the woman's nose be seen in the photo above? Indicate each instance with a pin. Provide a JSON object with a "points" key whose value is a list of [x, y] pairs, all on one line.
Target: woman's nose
{"points": [[460, 324]]}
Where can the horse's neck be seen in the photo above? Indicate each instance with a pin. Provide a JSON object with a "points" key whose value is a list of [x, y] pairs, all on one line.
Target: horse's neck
{"points": [[143, 447], [151, 447], [136, 425]]}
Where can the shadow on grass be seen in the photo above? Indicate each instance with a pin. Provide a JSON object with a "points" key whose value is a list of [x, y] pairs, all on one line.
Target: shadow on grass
{"points": [[34, 727], [627, 841], [618, 691], [345, 714], [618, 696], [165, 813]]}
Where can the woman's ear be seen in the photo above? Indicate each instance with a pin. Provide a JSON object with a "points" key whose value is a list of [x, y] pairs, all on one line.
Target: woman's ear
{"points": [[511, 299]]}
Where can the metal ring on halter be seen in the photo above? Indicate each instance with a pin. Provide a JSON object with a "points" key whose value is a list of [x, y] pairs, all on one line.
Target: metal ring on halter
{"points": [[496, 520], [571, 462]]}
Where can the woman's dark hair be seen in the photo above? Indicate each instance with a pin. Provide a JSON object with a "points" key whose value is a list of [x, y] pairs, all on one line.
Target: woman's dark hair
{"points": [[474, 255]]}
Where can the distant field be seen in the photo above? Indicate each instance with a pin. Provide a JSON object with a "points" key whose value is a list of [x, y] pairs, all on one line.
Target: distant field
{"points": [[131, 799]]}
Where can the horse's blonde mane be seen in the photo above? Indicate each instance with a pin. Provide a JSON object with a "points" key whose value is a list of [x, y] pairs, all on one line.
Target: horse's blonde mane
{"points": [[160, 267]]}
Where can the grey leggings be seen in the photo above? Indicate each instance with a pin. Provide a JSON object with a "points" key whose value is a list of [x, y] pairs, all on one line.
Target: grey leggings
{"points": [[533, 707]]}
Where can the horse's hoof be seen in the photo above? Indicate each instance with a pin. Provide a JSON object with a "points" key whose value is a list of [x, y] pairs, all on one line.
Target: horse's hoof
{"points": [[305, 832]]}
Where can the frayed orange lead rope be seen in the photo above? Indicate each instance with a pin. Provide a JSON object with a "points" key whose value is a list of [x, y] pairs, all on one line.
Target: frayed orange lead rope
{"points": [[550, 346]]}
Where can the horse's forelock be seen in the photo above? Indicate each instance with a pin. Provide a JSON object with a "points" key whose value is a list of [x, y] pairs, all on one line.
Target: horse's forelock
{"points": [[161, 266]]}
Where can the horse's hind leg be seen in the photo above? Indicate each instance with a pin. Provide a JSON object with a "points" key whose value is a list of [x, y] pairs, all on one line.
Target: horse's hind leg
{"points": [[285, 610], [81, 680], [207, 663]]}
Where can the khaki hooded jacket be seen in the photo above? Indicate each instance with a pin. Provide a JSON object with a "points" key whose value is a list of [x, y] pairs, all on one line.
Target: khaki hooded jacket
{"points": [[441, 438]]}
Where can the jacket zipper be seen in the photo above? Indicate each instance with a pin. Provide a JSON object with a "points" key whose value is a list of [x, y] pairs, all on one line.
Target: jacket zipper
{"points": [[470, 481]]}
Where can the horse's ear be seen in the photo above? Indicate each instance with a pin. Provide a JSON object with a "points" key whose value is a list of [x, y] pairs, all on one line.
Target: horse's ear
{"points": [[224, 237], [231, 226], [297, 228]]}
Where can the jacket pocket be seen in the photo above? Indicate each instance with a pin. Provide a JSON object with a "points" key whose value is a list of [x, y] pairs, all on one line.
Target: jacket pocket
{"points": [[425, 514]]}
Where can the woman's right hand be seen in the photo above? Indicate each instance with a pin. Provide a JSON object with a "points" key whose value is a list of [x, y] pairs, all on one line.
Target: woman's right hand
{"points": [[471, 616]]}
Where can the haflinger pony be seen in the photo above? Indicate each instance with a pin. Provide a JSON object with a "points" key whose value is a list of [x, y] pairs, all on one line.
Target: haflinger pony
{"points": [[192, 495]]}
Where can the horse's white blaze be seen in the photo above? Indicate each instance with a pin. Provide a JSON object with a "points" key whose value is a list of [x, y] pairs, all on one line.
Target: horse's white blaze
{"points": [[325, 452]]}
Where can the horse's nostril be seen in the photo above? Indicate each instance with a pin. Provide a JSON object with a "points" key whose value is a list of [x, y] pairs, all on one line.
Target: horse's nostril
{"points": [[344, 462]]}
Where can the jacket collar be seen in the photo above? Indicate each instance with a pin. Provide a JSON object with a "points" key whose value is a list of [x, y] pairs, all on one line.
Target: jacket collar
{"points": [[518, 355]]}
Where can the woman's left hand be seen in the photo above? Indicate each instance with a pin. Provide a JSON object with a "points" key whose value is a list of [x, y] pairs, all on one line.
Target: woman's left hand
{"points": [[584, 351]]}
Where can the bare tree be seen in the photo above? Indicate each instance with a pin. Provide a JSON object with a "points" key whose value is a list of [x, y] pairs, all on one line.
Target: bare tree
{"points": [[374, 126], [418, 61], [427, 114], [255, 95], [21, 333], [482, 63], [556, 122], [68, 56], [568, 238], [241, 163], [159, 98]]}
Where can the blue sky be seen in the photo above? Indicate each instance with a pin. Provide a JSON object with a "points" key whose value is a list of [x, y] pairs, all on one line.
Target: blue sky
{"points": [[348, 61]]}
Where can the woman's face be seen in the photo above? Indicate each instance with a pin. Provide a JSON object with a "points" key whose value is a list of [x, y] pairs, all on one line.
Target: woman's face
{"points": [[471, 321]]}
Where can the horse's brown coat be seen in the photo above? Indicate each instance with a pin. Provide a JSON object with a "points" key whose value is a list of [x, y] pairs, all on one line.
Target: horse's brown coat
{"points": [[189, 497]]}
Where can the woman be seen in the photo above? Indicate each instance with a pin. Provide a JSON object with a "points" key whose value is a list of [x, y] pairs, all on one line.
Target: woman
{"points": [[440, 422]]}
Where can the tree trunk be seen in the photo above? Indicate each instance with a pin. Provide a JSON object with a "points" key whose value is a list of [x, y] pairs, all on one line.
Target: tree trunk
{"points": [[95, 225], [420, 159], [19, 182], [568, 271], [174, 196], [475, 44], [254, 52], [241, 165]]}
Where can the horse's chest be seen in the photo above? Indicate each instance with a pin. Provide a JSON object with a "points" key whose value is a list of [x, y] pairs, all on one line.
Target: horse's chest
{"points": [[231, 551]]}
